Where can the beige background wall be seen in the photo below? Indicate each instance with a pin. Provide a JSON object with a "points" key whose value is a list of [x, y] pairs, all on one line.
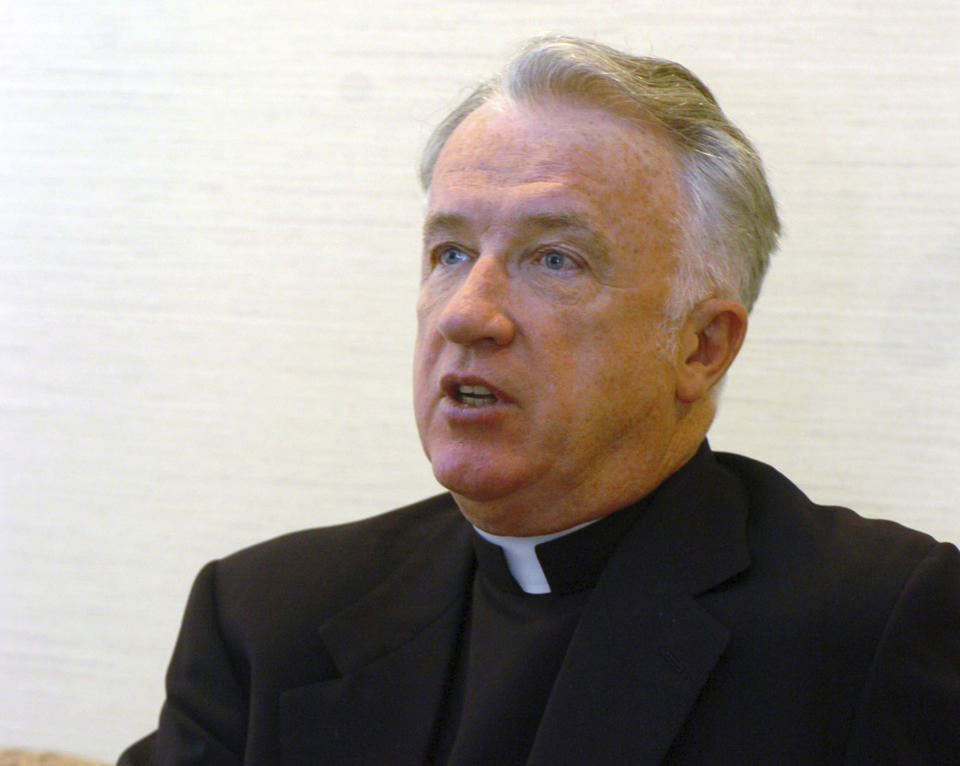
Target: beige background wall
{"points": [[208, 255]]}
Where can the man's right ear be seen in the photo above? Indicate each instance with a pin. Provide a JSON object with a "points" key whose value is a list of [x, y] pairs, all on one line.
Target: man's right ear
{"points": [[709, 341]]}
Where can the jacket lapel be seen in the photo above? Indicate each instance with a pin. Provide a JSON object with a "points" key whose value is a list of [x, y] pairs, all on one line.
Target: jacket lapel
{"points": [[394, 650], [644, 647]]}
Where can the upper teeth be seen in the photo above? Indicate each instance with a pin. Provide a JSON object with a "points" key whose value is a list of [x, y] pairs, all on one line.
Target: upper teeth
{"points": [[475, 390]]}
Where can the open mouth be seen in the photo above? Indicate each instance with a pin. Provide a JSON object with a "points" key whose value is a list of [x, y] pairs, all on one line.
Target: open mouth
{"points": [[474, 396]]}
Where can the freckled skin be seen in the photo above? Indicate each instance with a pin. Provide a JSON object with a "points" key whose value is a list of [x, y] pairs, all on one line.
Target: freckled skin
{"points": [[589, 420]]}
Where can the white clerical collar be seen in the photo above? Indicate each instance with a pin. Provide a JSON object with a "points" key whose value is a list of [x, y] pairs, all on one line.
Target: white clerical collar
{"points": [[522, 558]]}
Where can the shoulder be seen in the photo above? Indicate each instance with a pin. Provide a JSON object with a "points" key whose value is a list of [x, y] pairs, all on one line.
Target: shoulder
{"points": [[319, 571], [378, 541], [811, 553], [775, 501]]}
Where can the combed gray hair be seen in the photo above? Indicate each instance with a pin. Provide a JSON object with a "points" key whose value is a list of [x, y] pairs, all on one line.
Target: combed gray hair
{"points": [[732, 228]]}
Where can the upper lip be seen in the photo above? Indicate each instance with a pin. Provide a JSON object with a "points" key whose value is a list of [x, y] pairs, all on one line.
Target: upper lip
{"points": [[451, 382]]}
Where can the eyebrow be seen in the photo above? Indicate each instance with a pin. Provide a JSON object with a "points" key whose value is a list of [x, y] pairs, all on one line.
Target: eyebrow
{"points": [[439, 223]]}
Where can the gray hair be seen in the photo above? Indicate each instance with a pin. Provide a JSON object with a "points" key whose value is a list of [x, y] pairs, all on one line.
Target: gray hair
{"points": [[732, 227]]}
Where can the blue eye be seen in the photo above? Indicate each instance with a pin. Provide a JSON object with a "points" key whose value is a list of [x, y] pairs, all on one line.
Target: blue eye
{"points": [[451, 256], [555, 261]]}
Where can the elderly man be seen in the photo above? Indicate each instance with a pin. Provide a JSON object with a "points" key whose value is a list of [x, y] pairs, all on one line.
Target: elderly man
{"points": [[598, 587]]}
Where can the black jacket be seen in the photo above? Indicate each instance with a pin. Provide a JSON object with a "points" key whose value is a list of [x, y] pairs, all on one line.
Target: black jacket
{"points": [[737, 623]]}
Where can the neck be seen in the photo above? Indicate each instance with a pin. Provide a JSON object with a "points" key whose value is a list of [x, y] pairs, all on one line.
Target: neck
{"points": [[539, 510]]}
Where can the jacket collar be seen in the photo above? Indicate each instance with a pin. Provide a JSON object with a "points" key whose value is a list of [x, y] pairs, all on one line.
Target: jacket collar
{"points": [[415, 595]]}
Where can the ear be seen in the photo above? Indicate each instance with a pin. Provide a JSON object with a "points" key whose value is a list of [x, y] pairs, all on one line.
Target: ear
{"points": [[709, 342]]}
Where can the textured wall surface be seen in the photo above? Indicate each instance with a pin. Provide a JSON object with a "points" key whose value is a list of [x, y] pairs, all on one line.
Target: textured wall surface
{"points": [[208, 257]]}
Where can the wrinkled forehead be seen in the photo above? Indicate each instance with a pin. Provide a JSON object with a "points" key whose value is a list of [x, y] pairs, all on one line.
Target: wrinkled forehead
{"points": [[621, 175]]}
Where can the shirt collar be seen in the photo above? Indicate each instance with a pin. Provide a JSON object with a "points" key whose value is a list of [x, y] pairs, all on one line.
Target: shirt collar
{"points": [[561, 562], [521, 556]]}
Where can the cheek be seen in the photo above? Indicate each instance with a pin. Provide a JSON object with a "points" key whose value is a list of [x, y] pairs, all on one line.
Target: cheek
{"points": [[424, 353], [623, 365], [423, 358], [427, 311], [423, 309], [431, 302]]}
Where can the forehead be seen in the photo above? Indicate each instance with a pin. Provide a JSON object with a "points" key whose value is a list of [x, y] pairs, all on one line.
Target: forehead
{"points": [[526, 159]]}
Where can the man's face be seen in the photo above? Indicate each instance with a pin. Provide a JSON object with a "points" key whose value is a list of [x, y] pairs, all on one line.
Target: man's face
{"points": [[539, 375]]}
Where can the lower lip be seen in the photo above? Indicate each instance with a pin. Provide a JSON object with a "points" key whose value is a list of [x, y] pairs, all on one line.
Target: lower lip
{"points": [[455, 410]]}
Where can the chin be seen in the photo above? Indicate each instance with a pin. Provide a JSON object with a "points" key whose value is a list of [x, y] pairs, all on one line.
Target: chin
{"points": [[475, 479]]}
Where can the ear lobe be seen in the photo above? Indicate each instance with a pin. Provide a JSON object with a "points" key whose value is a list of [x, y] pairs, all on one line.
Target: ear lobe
{"points": [[710, 340]]}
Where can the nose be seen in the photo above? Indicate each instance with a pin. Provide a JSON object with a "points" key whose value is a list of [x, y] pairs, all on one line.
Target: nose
{"points": [[476, 311]]}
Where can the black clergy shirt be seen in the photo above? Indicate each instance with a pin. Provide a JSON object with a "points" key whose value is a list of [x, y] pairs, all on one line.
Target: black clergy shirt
{"points": [[514, 644]]}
